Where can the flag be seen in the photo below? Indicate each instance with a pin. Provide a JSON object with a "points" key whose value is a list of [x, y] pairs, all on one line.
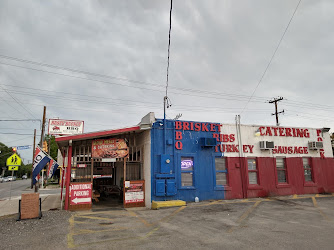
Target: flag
{"points": [[53, 165], [40, 160]]}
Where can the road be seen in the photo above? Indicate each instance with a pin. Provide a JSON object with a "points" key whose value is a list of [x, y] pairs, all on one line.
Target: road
{"points": [[14, 189]]}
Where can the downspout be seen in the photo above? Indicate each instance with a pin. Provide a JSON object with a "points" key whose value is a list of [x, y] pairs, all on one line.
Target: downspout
{"points": [[165, 125], [242, 172]]}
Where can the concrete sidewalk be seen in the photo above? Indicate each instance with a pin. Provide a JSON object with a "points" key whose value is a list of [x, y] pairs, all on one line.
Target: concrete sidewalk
{"points": [[9, 207]]}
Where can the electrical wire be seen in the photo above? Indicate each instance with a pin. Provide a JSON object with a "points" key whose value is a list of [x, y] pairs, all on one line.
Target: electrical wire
{"points": [[168, 52], [272, 57], [77, 71]]}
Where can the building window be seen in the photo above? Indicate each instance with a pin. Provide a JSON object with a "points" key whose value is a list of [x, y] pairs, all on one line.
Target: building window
{"points": [[252, 171], [187, 171], [281, 170], [307, 169], [221, 171]]}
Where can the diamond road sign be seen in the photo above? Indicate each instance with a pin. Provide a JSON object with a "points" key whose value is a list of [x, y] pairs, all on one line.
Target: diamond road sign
{"points": [[13, 162]]}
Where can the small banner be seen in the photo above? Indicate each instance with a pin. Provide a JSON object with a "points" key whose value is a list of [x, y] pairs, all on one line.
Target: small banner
{"points": [[53, 165]]}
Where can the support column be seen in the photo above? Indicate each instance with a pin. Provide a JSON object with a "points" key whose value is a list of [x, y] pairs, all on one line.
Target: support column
{"points": [[68, 176]]}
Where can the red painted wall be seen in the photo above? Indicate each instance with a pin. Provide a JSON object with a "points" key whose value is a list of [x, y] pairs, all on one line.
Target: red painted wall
{"points": [[322, 173]]}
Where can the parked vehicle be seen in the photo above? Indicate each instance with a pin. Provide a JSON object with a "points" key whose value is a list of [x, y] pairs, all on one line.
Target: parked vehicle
{"points": [[24, 177], [10, 178], [1, 179], [5, 179], [14, 178]]}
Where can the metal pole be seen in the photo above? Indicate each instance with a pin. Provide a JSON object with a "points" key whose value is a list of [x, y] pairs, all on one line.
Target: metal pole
{"points": [[41, 141], [276, 114], [10, 191], [165, 125], [68, 176]]}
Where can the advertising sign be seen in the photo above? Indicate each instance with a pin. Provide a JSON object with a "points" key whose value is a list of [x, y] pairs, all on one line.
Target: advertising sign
{"points": [[134, 192], [81, 193], [65, 127], [109, 148]]}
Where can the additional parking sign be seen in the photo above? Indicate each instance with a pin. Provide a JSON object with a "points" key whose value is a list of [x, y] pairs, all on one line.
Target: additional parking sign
{"points": [[81, 193]]}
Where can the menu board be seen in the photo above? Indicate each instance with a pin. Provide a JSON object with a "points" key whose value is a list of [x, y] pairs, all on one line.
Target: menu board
{"points": [[134, 193]]}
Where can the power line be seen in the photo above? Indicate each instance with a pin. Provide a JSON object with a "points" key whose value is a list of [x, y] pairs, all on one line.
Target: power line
{"points": [[14, 134], [169, 33], [76, 70], [272, 57], [84, 78], [139, 87]]}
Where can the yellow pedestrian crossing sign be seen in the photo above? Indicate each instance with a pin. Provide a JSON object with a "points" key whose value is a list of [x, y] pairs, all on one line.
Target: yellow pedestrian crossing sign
{"points": [[13, 162]]}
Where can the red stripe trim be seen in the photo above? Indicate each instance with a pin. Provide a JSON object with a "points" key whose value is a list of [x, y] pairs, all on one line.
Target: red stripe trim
{"points": [[95, 134]]}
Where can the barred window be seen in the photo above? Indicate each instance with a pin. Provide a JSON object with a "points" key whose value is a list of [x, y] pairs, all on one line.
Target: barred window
{"points": [[281, 170], [221, 171], [252, 171], [307, 169], [187, 171]]}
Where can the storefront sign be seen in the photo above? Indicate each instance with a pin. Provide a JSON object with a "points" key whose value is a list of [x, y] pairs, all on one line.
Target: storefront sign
{"points": [[134, 192], [279, 131], [81, 165], [81, 193], [110, 148], [65, 127], [186, 164]]}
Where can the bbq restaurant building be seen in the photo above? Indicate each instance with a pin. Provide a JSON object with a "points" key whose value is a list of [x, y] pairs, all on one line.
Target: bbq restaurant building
{"points": [[179, 160]]}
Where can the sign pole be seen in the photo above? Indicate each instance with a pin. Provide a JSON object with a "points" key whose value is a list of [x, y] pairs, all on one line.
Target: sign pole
{"points": [[41, 142], [10, 191], [33, 156]]}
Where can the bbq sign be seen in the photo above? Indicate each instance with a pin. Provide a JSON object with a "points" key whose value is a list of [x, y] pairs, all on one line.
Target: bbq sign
{"points": [[81, 193], [65, 127]]}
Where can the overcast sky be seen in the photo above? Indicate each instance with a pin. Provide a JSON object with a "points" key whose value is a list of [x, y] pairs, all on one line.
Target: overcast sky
{"points": [[219, 51]]}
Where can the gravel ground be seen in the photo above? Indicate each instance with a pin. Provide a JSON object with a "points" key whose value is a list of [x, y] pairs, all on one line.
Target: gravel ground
{"points": [[49, 232]]}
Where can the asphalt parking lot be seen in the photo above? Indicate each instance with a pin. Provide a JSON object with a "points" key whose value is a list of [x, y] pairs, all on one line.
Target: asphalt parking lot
{"points": [[296, 222], [277, 223]]}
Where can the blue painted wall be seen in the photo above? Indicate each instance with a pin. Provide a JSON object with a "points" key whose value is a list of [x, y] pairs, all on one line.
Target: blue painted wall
{"points": [[204, 182]]}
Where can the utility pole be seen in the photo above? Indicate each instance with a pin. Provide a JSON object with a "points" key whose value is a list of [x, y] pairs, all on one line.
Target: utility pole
{"points": [[33, 156], [276, 100], [41, 142]]}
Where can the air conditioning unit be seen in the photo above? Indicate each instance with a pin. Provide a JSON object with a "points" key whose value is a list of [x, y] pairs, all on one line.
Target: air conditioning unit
{"points": [[208, 142], [315, 145], [267, 145]]}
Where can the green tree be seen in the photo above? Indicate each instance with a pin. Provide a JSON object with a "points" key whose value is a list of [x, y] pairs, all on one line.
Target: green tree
{"points": [[53, 146]]}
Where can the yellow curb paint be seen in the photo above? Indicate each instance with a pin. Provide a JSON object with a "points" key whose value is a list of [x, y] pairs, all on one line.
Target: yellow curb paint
{"points": [[172, 203], [294, 196], [318, 208]]}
